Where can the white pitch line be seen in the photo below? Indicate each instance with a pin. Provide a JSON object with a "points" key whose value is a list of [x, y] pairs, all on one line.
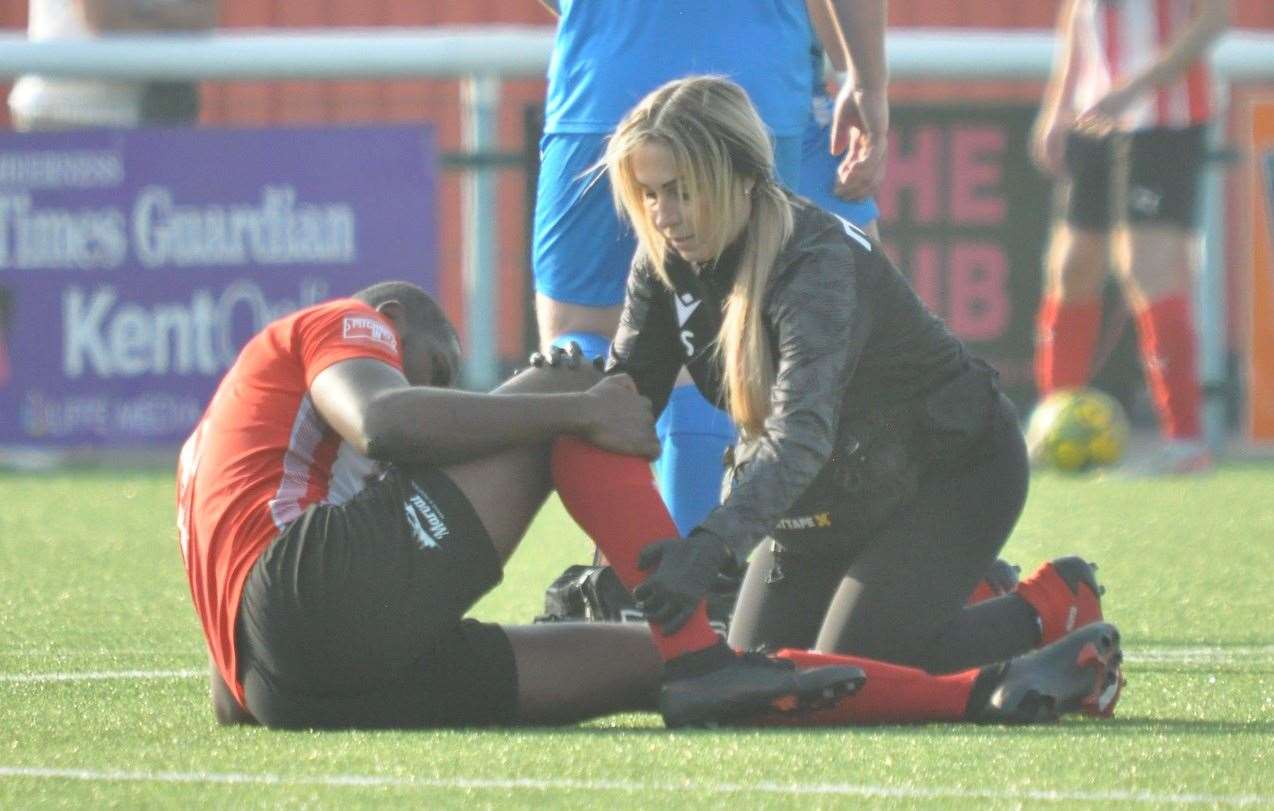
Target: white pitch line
{"points": [[1202, 655], [628, 786], [99, 675]]}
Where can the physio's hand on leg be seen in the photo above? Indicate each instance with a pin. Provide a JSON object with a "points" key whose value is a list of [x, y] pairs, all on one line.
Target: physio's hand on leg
{"points": [[686, 569]]}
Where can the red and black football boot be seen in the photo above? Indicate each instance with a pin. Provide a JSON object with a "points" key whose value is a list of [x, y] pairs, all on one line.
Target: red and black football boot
{"points": [[719, 686], [1078, 674], [1065, 595]]}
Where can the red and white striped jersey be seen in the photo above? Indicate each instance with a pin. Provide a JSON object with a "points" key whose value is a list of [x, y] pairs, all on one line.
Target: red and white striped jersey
{"points": [[262, 454], [1117, 38]]}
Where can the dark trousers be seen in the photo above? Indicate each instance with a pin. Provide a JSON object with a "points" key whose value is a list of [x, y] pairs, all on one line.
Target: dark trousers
{"points": [[901, 598]]}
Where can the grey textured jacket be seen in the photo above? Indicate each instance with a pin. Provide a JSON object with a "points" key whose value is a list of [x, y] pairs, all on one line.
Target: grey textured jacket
{"points": [[848, 334]]}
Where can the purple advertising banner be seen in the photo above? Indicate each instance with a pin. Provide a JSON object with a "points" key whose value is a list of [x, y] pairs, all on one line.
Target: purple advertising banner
{"points": [[135, 263]]}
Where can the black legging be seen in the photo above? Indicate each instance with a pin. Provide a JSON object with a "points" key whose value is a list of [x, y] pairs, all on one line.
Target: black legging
{"points": [[902, 598]]}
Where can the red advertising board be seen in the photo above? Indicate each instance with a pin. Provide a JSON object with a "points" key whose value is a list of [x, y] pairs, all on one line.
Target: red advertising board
{"points": [[965, 216]]}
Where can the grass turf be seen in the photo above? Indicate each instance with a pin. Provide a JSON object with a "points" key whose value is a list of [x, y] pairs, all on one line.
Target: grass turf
{"points": [[91, 583]]}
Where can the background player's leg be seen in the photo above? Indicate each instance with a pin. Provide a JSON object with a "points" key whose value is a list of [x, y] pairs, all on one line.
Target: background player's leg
{"points": [[1156, 264], [1069, 315], [694, 434], [581, 250], [1158, 252]]}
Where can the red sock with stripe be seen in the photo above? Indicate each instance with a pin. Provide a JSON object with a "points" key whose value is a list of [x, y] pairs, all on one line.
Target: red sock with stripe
{"points": [[1166, 333], [892, 694], [1065, 338], [614, 499]]}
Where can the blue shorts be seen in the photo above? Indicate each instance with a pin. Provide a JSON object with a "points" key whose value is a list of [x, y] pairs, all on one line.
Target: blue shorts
{"points": [[582, 248], [818, 176]]}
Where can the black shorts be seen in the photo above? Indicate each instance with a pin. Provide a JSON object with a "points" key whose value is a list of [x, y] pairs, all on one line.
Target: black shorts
{"points": [[1145, 177], [352, 617]]}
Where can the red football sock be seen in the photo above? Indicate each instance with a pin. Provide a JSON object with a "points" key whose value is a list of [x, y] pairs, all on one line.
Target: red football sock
{"points": [[1166, 332], [893, 694], [613, 498], [1065, 337]]}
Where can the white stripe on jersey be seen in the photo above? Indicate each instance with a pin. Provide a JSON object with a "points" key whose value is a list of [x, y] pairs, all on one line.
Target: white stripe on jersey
{"points": [[1138, 43], [187, 465], [298, 464], [1141, 30], [350, 473]]}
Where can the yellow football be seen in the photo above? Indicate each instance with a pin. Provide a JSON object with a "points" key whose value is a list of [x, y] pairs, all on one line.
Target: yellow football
{"points": [[1074, 430]]}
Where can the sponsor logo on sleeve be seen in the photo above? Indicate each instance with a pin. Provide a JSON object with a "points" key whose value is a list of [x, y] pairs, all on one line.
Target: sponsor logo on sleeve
{"points": [[369, 330]]}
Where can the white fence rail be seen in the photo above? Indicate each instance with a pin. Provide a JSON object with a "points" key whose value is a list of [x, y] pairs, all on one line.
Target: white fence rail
{"points": [[507, 51], [481, 55]]}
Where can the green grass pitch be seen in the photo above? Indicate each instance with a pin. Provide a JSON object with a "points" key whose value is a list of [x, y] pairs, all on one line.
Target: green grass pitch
{"points": [[103, 701]]}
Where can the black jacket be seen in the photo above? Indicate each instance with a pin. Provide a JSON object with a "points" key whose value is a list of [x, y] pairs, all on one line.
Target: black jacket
{"points": [[848, 335]]}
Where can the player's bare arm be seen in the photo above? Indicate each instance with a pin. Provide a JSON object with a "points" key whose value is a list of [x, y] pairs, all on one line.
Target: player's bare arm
{"points": [[1055, 118], [829, 34], [1211, 18], [371, 405], [860, 118]]}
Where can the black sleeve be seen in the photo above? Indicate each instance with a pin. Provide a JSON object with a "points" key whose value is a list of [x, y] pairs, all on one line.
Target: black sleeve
{"points": [[818, 327], [646, 345]]}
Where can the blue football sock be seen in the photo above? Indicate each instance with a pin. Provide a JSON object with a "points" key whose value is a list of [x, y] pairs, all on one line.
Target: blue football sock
{"points": [[594, 345], [694, 434]]}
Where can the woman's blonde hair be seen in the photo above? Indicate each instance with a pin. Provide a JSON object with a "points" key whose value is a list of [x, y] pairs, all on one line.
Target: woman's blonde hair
{"points": [[720, 146]]}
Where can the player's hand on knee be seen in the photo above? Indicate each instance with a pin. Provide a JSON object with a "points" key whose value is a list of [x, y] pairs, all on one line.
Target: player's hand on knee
{"points": [[622, 419], [684, 570]]}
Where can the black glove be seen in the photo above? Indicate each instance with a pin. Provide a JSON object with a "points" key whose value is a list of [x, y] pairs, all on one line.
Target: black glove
{"points": [[558, 357], [571, 357], [687, 568]]}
